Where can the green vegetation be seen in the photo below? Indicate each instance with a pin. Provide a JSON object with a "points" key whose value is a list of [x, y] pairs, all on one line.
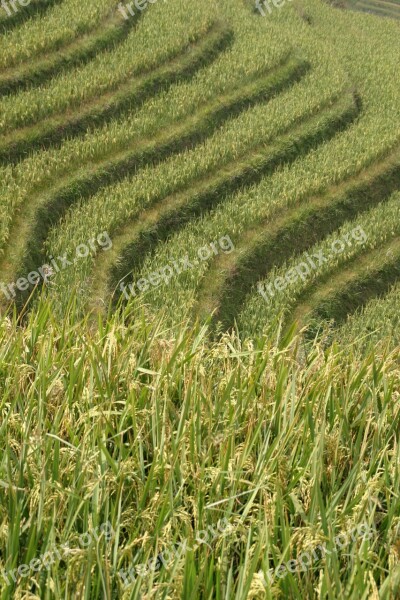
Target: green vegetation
{"points": [[164, 439], [9, 19], [203, 398], [62, 23], [103, 37]]}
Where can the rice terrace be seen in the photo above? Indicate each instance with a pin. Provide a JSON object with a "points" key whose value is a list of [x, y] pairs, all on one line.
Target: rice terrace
{"points": [[200, 299]]}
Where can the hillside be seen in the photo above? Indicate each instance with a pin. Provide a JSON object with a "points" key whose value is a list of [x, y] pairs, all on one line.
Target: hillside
{"points": [[200, 297]]}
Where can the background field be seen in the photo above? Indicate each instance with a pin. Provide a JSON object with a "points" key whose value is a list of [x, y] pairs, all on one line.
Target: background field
{"points": [[196, 153]]}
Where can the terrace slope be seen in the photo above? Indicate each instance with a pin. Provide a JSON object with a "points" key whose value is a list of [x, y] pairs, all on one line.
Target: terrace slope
{"points": [[273, 131]]}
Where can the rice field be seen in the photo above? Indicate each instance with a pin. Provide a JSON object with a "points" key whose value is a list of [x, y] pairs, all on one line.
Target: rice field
{"points": [[199, 300], [389, 9]]}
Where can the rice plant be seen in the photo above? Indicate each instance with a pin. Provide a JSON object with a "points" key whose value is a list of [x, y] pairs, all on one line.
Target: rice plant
{"points": [[227, 431]]}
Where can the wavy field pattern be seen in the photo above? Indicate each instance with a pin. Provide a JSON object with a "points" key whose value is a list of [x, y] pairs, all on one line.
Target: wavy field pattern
{"points": [[199, 299], [227, 126], [382, 8]]}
